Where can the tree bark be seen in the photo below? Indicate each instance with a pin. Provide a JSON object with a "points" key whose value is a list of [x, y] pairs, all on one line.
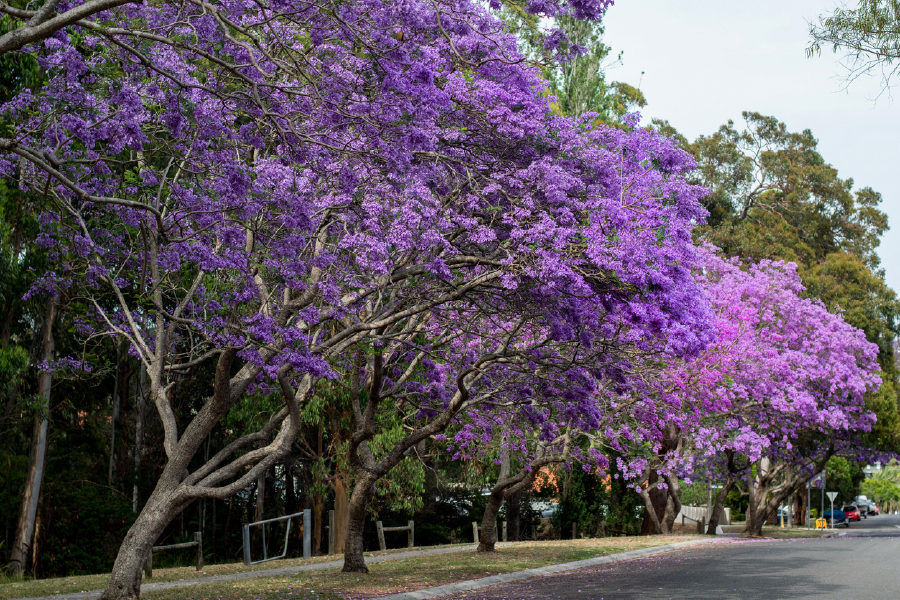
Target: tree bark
{"points": [[662, 505], [513, 516], [158, 512], [761, 506], [718, 505], [18, 555], [656, 505], [341, 514], [177, 487], [318, 513], [487, 539], [138, 437], [363, 492], [114, 417]]}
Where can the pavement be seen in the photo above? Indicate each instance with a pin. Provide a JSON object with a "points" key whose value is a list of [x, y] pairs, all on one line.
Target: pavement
{"points": [[858, 564]]}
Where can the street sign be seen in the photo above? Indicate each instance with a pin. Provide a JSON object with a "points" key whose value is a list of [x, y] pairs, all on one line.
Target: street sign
{"points": [[818, 481], [832, 496]]}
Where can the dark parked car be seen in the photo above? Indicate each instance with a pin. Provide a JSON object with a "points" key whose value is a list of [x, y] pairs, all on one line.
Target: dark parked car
{"points": [[852, 512], [840, 518]]}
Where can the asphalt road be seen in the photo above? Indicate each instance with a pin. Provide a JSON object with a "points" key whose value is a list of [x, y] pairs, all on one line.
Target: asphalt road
{"points": [[861, 564], [882, 525]]}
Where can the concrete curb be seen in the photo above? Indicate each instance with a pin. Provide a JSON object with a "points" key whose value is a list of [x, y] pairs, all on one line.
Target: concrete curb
{"points": [[331, 564], [452, 588]]}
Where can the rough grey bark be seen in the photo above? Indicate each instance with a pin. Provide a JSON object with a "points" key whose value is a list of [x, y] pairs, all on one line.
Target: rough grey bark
{"points": [[18, 555], [366, 468], [363, 492], [115, 416], [177, 487], [662, 505], [487, 537], [139, 437], [44, 22], [507, 485], [663, 524], [719, 503], [771, 486]]}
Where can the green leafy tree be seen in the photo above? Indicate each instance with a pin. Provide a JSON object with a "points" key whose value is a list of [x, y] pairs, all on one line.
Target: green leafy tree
{"points": [[883, 492], [869, 36], [579, 84], [844, 477]]}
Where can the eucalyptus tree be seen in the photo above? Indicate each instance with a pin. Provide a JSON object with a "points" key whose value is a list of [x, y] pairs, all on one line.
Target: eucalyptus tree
{"points": [[868, 34]]}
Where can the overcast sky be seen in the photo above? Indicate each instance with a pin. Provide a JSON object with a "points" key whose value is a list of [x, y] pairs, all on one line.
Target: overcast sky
{"points": [[705, 62]]}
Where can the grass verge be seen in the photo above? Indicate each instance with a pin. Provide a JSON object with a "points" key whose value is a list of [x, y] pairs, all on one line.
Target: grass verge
{"points": [[411, 574], [778, 533], [30, 588]]}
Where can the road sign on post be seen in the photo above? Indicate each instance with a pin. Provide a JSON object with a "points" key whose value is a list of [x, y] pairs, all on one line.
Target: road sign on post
{"points": [[831, 497]]}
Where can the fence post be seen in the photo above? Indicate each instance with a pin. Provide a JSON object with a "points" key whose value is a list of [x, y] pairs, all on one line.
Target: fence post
{"points": [[475, 531], [330, 532], [574, 525], [148, 565], [198, 537], [245, 534], [504, 531], [380, 530], [307, 533], [411, 534]]}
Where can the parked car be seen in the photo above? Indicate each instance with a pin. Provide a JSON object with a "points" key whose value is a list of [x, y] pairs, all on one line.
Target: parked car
{"points": [[840, 518], [866, 506], [852, 512]]}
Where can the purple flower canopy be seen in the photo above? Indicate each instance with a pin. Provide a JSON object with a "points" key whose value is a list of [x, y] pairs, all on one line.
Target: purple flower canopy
{"points": [[288, 180]]}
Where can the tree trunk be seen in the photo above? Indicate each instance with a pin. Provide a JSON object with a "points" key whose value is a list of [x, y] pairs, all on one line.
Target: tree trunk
{"points": [[228, 520], [158, 512], [650, 511], [657, 505], [341, 514], [18, 555], [318, 513], [718, 505], [751, 516], [114, 417], [673, 502], [363, 492], [138, 437], [488, 537], [513, 516], [256, 542]]}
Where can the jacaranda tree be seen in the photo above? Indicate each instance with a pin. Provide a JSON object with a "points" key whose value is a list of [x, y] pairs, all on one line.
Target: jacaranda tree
{"points": [[272, 186]]}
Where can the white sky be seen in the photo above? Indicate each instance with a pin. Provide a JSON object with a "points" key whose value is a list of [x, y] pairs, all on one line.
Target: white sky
{"points": [[705, 62]]}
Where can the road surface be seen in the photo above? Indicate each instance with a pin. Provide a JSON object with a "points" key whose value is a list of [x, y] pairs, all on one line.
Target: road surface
{"points": [[861, 564]]}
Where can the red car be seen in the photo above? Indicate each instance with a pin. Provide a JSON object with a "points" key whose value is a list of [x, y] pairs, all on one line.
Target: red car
{"points": [[852, 512]]}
